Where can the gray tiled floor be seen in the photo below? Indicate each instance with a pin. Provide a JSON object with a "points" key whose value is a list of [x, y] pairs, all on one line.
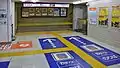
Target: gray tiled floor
{"points": [[39, 60]]}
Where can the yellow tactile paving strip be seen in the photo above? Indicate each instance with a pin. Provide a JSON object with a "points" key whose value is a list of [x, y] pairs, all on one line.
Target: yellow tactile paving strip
{"points": [[10, 54], [93, 62], [33, 33]]}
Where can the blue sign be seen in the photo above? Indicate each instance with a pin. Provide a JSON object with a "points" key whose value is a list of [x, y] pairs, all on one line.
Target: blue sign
{"points": [[100, 53], [4, 64], [66, 60], [50, 43]]}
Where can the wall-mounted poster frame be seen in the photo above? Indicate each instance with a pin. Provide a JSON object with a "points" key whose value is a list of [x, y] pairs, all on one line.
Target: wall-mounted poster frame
{"points": [[93, 15], [56, 12], [50, 11], [40, 10], [103, 16], [31, 12], [115, 16], [63, 12], [25, 12]]}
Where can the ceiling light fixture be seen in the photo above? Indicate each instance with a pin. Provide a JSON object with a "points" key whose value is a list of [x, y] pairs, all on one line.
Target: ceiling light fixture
{"points": [[34, 0], [81, 1], [23, 0]]}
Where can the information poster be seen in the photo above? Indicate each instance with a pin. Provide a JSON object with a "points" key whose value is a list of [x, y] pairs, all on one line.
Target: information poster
{"points": [[38, 11], [50, 11], [103, 16], [25, 12], [93, 15], [44, 11], [56, 12], [63, 12], [31, 12], [116, 16]]}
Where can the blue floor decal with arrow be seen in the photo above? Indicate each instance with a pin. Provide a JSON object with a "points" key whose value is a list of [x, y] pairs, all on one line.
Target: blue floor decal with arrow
{"points": [[66, 59], [100, 53], [4, 64], [50, 43]]}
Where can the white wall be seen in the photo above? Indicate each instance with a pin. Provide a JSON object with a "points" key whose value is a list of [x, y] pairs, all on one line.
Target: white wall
{"points": [[105, 34], [5, 29]]}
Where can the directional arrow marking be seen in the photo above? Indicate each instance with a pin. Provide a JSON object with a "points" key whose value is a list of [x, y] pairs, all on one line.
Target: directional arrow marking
{"points": [[77, 40], [51, 42]]}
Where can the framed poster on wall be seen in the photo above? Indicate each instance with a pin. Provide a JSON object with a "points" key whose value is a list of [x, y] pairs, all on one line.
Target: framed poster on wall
{"points": [[56, 12], [31, 12], [44, 11], [63, 12], [50, 11], [103, 16], [92, 15], [38, 12], [115, 16], [25, 12]]}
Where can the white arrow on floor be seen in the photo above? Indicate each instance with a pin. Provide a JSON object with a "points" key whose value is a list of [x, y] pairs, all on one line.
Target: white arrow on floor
{"points": [[77, 40], [51, 42]]}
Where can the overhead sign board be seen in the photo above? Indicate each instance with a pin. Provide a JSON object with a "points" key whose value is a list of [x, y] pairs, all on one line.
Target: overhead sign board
{"points": [[44, 5]]}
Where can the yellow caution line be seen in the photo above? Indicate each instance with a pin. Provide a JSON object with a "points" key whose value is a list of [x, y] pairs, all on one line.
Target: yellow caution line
{"points": [[93, 62], [44, 24], [32, 52], [33, 33], [30, 33]]}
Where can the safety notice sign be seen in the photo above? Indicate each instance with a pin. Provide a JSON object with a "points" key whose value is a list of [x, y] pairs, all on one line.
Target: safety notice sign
{"points": [[66, 59], [98, 52], [50, 43]]}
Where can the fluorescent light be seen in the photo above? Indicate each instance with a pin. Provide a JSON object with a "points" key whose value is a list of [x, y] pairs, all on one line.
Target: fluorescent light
{"points": [[77, 2], [81, 1], [34, 0], [30, 0], [23, 0]]}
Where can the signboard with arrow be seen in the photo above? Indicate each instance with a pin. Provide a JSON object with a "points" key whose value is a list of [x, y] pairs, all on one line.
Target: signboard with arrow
{"points": [[98, 52], [50, 43]]}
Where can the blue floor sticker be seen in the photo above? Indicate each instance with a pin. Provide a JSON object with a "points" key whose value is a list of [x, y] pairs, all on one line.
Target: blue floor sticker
{"points": [[100, 53], [66, 59], [4, 64], [50, 43]]}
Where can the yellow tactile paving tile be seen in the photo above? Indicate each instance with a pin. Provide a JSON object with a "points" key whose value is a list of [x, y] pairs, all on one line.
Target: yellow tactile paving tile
{"points": [[93, 62], [33, 52], [44, 32]]}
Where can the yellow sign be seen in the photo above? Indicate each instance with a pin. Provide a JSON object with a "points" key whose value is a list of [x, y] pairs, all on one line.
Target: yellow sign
{"points": [[103, 16], [116, 16]]}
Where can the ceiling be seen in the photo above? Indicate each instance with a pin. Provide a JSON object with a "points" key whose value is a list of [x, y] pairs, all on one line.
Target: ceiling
{"points": [[55, 1]]}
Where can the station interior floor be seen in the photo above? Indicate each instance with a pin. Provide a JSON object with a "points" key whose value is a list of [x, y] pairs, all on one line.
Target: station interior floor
{"points": [[33, 57]]}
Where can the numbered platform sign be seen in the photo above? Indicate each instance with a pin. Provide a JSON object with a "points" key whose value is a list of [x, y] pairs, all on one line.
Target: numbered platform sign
{"points": [[50, 43], [66, 59], [4, 64], [100, 53]]}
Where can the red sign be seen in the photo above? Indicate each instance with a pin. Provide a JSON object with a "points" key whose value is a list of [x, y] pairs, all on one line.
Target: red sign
{"points": [[22, 44]]}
